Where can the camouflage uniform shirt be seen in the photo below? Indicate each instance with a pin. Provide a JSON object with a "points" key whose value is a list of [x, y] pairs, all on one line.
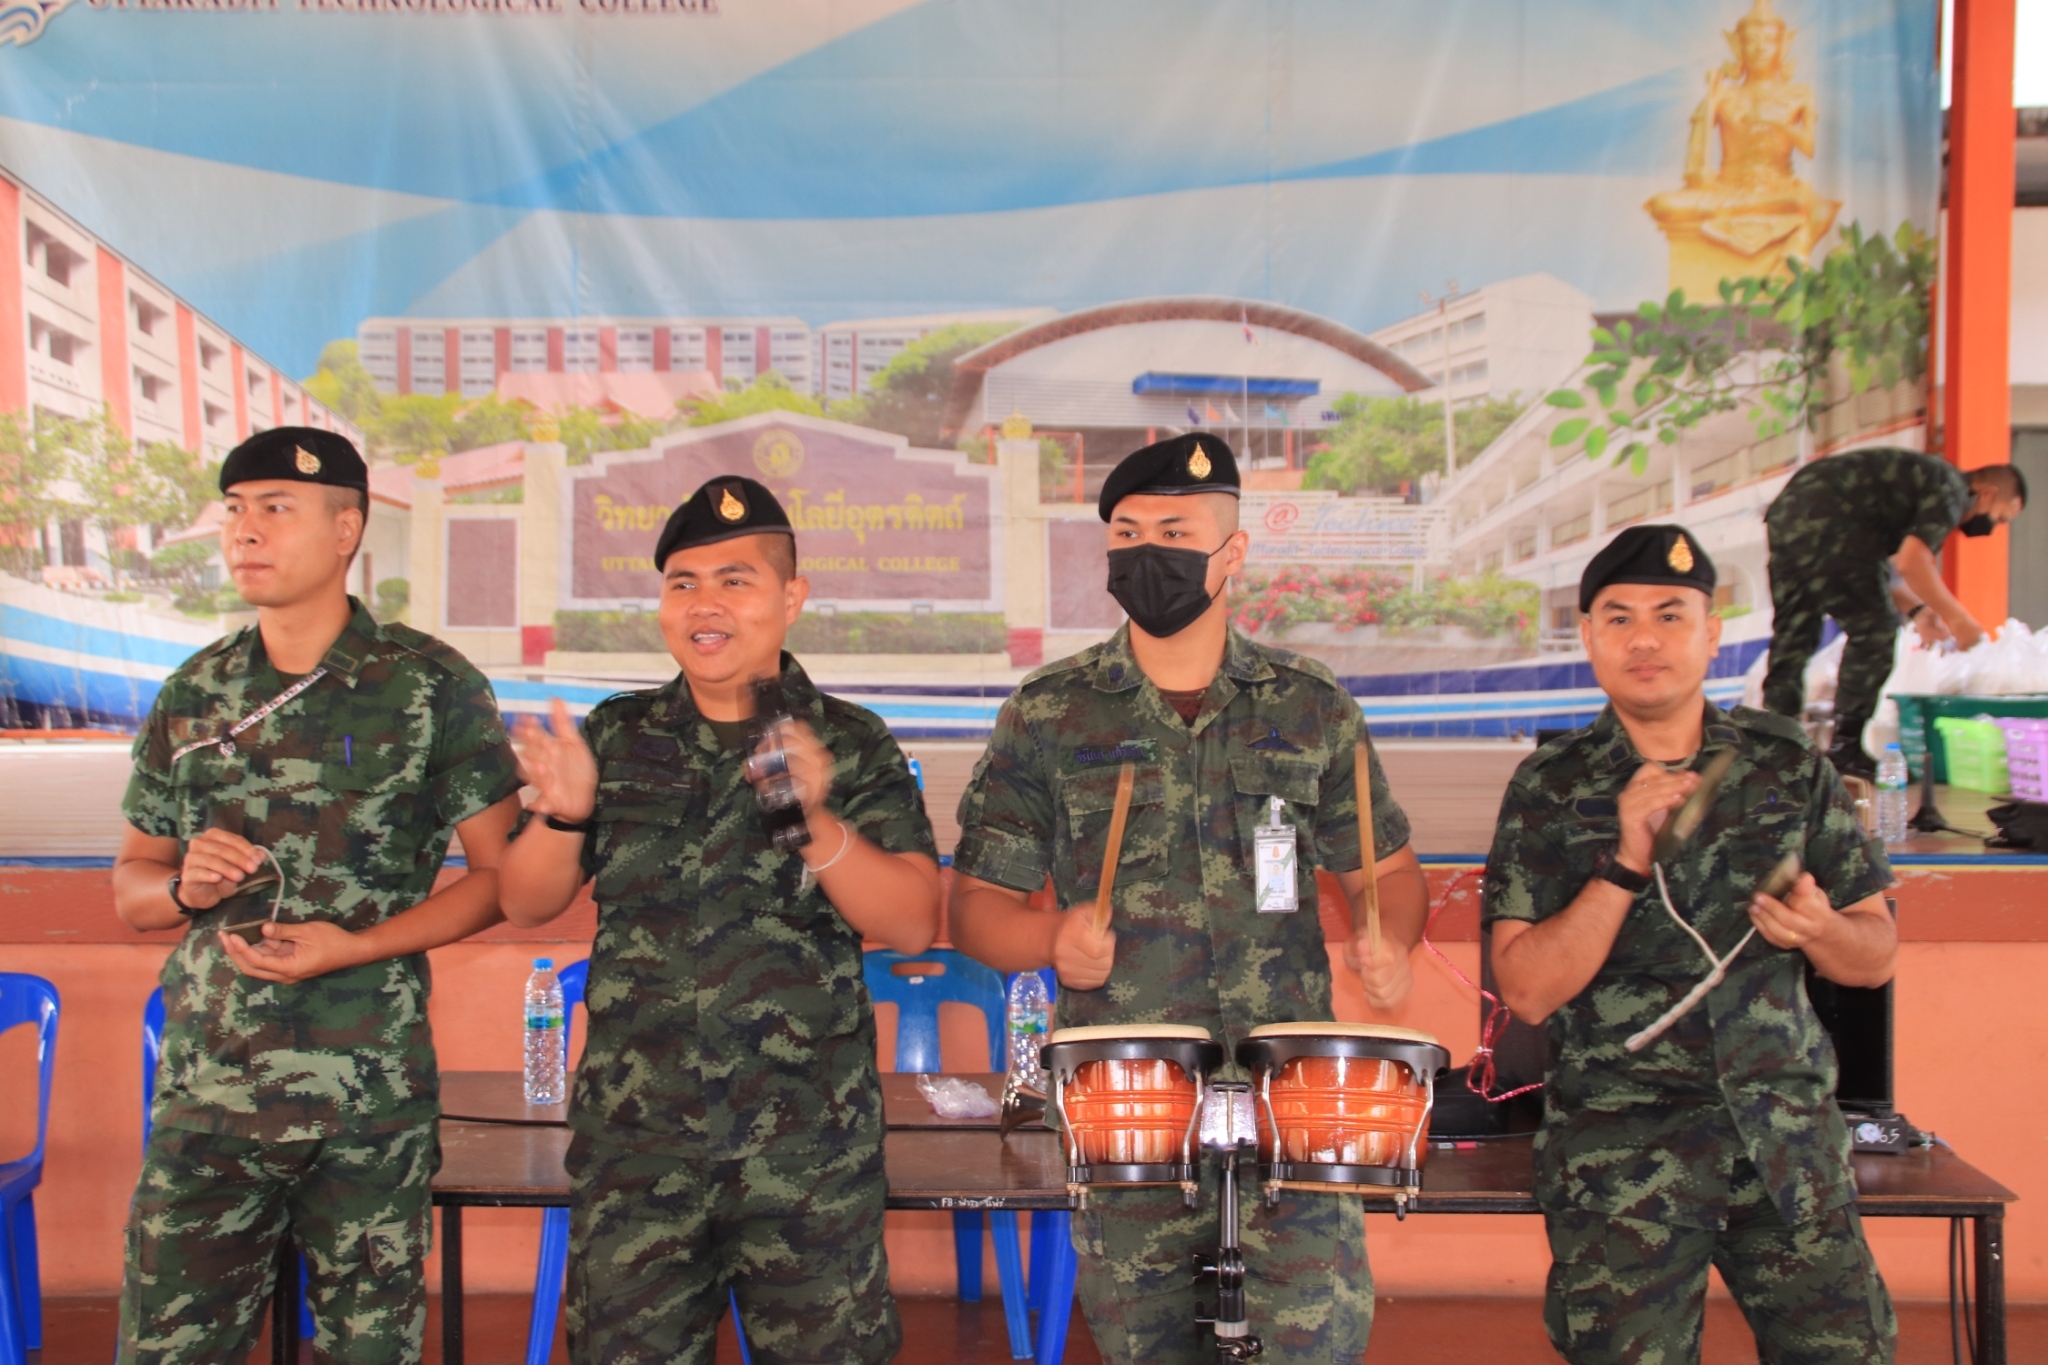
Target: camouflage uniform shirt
{"points": [[1191, 948], [1855, 509], [1749, 1072], [728, 1015], [353, 786]]}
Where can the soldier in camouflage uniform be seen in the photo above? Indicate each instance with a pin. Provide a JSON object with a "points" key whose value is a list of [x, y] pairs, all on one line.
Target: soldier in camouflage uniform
{"points": [[1718, 1142], [727, 1113], [1216, 727], [1835, 532], [296, 1097]]}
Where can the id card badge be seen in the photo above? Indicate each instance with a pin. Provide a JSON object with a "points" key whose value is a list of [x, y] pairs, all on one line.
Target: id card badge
{"points": [[1273, 863]]}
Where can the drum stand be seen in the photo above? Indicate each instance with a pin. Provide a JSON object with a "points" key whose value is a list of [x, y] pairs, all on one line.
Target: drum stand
{"points": [[1234, 1339]]}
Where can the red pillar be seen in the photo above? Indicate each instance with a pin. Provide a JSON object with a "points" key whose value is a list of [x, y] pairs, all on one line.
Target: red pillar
{"points": [[188, 378], [501, 353], [114, 381], [664, 357], [405, 360], [239, 359], [451, 360], [1977, 393], [13, 308], [277, 414], [557, 354], [608, 349], [714, 351], [762, 353]]}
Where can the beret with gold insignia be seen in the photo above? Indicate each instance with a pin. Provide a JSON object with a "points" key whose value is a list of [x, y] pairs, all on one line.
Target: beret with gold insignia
{"points": [[301, 454], [1195, 463], [1668, 555], [724, 508]]}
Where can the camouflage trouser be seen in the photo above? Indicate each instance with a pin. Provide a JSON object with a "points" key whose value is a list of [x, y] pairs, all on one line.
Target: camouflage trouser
{"points": [[1622, 1290], [656, 1239], [1308, 1288], [211, 1213], [1803, 595]]}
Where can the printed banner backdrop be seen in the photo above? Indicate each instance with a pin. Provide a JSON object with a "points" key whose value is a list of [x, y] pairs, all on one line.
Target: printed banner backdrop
{"points": [[929, 267]]}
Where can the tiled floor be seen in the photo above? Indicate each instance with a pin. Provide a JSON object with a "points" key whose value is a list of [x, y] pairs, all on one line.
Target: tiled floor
{"points": [[943, 1332]]}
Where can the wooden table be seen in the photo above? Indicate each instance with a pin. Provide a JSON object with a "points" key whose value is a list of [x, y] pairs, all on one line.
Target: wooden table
{"points": [[497, 1154]]}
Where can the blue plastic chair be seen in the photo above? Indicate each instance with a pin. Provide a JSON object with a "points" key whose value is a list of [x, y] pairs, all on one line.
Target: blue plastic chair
{"points": [[26, 999], [552, 1268], [917, 997], [152, 1049]]}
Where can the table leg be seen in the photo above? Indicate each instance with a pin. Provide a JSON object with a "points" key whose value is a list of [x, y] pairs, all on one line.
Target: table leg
{"points": [[451, 1284], [1991, 1289], [284, 1307]]}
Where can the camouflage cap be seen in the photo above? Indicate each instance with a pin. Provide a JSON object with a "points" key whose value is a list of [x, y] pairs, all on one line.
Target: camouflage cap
{"points": [[724, 508], [301, 454], [1648, 554], [1195, 463]]}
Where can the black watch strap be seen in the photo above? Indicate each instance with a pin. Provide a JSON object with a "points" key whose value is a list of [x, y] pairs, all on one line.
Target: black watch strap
{"points": [[570, 827], [177, 879], [1627, 878]]}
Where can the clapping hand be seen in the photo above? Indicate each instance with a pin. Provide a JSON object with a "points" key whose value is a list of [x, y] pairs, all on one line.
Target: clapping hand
{"points": [[558, 766]]}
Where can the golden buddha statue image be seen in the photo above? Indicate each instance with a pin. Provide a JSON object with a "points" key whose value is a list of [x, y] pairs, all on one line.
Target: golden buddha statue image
{"points": [[1747, 217]]}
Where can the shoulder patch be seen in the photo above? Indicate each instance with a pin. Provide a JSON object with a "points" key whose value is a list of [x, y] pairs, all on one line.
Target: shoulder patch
{"points": [[851, 714], [1770, 723]]}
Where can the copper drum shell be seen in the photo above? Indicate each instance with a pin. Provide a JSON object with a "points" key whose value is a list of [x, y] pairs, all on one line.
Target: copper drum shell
{"points": [[1344, 1111], [1128, 1113]]}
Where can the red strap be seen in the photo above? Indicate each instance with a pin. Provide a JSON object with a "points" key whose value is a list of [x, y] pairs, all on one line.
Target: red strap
{"points": [[1479, 1076]]}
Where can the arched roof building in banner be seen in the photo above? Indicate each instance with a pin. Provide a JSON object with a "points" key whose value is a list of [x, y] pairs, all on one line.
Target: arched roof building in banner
{"points": [[1262, 375]]}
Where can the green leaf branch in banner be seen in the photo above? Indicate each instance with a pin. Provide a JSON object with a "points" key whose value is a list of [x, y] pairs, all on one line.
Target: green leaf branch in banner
{"points": [[1768, 347]]}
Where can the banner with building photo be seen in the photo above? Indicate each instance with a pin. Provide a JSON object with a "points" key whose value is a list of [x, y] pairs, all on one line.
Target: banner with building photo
{"points": [[1458, 283]]}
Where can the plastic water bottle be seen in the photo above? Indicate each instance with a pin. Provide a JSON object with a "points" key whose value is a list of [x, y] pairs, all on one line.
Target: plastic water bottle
{"points": [[547, 1041], [1028, 1013], [1891, 795]]}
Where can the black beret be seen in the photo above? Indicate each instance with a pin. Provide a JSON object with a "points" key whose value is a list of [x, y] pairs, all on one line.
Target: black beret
{"points": [[303, 454], [1195, 463], [1668, 555], [722, 509]]}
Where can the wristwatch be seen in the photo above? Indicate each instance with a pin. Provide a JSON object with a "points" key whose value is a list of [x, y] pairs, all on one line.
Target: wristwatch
{"points": [[1627, 878], [172, 886], [571, 826]]}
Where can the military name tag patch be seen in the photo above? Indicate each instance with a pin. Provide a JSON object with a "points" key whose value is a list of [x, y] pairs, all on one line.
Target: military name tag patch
{"points": [[1096, 755], [1597, 808], [1273, 742]]}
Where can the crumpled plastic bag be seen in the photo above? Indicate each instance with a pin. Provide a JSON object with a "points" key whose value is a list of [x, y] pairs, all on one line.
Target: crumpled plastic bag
{"points": [[953, 1098]]}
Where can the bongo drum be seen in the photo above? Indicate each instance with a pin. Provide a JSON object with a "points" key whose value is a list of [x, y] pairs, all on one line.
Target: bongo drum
{"points": [[1342, 1105], [1129, 1099]]}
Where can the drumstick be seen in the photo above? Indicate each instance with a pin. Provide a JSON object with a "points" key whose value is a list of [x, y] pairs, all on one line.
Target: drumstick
{"points": [[1371, 889], [1125, 780]]}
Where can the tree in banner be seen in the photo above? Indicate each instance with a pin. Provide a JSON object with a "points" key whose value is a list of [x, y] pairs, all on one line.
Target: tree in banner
{"points": [[123, 485], [769, 393], [908, 395], [1379, 444], [31, 462], [1768, 347]]}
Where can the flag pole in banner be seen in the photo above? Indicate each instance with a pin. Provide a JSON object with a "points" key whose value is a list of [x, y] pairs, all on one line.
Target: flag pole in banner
{"points": [[1444, 326]]}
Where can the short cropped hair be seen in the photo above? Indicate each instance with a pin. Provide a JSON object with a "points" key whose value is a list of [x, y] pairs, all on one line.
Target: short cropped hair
{"points": [[2006, 478], [780, 552]]}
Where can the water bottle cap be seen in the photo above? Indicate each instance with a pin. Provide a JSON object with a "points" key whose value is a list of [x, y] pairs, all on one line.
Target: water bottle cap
{"points": [[543, 964], [1891, 748]]}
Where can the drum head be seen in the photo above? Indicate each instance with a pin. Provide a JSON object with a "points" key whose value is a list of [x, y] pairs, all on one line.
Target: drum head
{"points": [[1336, 1029], [1095, 1033]]}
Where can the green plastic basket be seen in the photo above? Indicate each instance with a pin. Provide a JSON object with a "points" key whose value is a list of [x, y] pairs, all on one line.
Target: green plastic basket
{"points": [[1975, 754], [1918, 712]]}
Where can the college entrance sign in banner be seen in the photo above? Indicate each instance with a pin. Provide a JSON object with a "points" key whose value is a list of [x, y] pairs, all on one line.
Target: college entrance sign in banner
{"points": [[928, 268]]}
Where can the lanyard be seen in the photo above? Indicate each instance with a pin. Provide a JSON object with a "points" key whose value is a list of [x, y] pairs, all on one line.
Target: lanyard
{"points": [[227, 741]]}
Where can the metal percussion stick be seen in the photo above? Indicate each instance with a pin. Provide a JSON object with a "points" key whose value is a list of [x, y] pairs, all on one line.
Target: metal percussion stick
{"points": [[1685, 823]]}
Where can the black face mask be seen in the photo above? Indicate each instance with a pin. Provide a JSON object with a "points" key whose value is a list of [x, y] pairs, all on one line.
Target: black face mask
{"points": [[1979, 525], [1163, 589]]}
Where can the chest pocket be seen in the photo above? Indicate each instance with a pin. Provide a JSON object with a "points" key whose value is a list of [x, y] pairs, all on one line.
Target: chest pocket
{"points": [[641, 807], [1258, 778], [1089, 798]]}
